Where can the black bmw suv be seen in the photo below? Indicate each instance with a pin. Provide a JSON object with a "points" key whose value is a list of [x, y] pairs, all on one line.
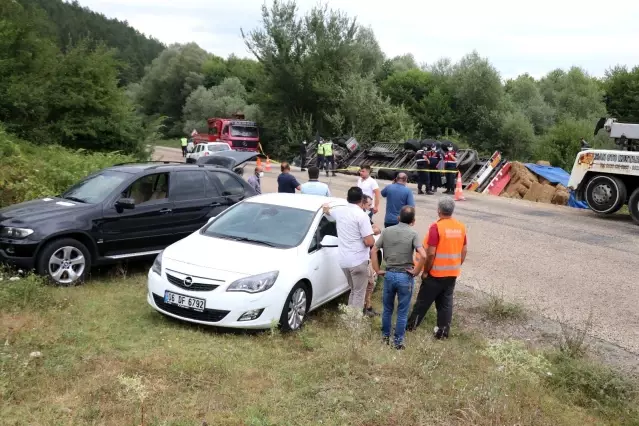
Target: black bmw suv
{"points": [[121, 212]]}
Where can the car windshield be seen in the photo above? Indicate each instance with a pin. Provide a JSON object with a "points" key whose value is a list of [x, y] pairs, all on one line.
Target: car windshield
{"points": [[271, 225], [220, 147], [244, 131], [96, 188]]}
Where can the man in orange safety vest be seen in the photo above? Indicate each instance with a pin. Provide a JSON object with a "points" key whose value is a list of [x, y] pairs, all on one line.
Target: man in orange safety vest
{"points": [[446, 242]]}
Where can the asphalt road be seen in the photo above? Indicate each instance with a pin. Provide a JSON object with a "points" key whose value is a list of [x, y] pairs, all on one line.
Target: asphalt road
{"points": [[567, 264]]}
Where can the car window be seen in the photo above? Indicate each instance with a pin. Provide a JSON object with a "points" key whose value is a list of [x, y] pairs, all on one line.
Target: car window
{"points": [[230, 184], [279, 226], [189, 185], [325, 227], [225, 130], [96, 188], [220, 147], [212, 190], [148, 189]]}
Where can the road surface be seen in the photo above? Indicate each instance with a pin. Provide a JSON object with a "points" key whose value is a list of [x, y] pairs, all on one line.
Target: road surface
{"points": [[564, 263]]}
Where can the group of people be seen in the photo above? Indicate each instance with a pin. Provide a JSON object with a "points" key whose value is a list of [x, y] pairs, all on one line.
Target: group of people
{"points": [[427, 161], [325, 156], [437, 258]]}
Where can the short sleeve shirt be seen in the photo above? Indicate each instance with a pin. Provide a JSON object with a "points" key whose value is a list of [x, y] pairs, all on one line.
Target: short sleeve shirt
{"points": [[368, 186], [399, 243], [353, 225], [432, 239], [286, 182]]}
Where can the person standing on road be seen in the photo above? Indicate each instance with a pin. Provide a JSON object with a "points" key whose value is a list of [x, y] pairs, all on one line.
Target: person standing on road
{"points": [[397, 195], [450, 163], [370, 188], [423, 175], [372, 276], [355, 236], [255, 180], [434, 157], [320, 153], [303, 155], [399, 243], [329, 158], [314, 186], [447, 244], [286, 182], [184, 143]]}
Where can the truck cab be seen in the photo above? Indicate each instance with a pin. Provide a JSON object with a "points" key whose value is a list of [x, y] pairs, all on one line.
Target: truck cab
{"points": [[609, 179], [241, 135]]}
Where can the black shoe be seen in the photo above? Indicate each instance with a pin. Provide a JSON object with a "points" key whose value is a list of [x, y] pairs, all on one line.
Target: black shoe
{"points": [[399, 347], [302, 170], [386, 340], [440, 333], [430, 193], [420, 192]]}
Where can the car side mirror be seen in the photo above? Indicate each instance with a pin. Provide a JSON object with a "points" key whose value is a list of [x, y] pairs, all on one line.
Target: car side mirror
{"points": [[239, 171], [329, 241], [125, 203]]}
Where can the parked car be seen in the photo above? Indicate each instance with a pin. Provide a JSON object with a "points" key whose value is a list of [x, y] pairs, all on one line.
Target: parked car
{"points": [[270, 258], [232, 160], [206, 149], [121, 212]]}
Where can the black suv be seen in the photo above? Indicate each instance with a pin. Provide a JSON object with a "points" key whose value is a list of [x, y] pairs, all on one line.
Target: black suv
{"points": [[121, 212]]}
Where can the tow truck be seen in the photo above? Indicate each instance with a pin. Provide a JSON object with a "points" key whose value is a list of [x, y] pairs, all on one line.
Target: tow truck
{"points": [[240, 134], [609, 179]]}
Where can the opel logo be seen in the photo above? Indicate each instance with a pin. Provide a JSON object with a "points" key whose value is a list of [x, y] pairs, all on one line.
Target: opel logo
{"points": [[188, 281]]}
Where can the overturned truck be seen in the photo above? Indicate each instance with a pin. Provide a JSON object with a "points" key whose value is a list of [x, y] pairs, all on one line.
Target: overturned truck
{"points": [[386, 159]]}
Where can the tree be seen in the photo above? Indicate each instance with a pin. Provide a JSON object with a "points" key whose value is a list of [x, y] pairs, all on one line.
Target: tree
{"points": [[526, 96], [622, 93], [169, 81], [573, 94]]}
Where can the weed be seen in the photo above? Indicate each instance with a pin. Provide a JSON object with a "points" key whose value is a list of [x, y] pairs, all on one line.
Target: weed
{"points": [[23, 292], [497, 309], [134, 391], [573, 340], [512, 357]]}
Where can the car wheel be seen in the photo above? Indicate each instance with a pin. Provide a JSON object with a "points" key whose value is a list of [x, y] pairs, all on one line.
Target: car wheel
{"points": [[65, 262], [605, 194], [633, 206], [295, 308]]}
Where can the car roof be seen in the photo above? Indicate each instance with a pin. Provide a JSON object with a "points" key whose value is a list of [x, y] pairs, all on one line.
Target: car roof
{"points": [[299, 201], [167, 166]]}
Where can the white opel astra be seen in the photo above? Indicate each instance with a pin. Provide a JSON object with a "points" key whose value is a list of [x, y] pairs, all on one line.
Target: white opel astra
{"points": [[267, 260]]}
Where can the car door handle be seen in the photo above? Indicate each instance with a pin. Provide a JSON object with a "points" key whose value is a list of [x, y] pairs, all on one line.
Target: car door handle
{"points": [[166, 211], [215, 204]]}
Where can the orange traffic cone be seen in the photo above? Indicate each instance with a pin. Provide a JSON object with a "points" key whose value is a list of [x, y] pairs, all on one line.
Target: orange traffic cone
{"points": [[459, 193], [259, 162], [268, 164]]}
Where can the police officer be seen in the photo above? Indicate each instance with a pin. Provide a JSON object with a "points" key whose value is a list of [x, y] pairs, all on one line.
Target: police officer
{"points": [[303, 155], [183, 142], [328, 157], [320, 153], [450, 163], [434, 157], [423, 176]]}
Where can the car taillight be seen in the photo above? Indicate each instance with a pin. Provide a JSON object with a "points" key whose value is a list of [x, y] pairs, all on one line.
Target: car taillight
{"points": [[206, 153]]}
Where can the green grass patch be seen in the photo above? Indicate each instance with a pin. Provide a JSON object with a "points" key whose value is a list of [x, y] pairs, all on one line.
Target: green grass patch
{"points": [[105, 357], [169, 143]]}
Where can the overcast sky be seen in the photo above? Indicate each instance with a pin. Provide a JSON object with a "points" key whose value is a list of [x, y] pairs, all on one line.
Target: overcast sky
{"points": [[536, 37]]}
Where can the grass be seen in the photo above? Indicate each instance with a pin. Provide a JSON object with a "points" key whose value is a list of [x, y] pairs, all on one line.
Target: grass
{"points": [[108, 358], [171, 143], [495, 308]]}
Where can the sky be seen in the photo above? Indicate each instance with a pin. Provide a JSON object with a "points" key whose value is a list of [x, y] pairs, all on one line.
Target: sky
{"points": [[535, 37]]}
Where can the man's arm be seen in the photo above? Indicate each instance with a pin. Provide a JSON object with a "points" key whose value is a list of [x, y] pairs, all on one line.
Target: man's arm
{"points": [[411, 199], [328, 191], [420, 265], [464, 250], [384, 191], [430, 258], [378, 196], [432, 240], [366, 230], [374, 257]]}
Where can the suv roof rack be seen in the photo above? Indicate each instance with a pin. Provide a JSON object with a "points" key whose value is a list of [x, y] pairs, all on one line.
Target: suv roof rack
{"points": [[146, 162]]}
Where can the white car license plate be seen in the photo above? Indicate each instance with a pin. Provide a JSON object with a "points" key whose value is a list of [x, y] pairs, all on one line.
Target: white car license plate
{"points": [[184, 301]]}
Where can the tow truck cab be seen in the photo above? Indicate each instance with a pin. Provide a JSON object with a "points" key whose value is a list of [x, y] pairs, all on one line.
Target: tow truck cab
{"points": [[241, 135]]}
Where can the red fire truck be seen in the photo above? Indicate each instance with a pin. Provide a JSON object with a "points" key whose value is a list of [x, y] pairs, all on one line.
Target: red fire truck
{"points": [[240, 134]]}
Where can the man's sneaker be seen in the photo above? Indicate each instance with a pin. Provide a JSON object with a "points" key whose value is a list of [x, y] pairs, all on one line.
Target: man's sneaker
{"points": [[440, 333], [386, 340], [370, 312], [399, 346]]}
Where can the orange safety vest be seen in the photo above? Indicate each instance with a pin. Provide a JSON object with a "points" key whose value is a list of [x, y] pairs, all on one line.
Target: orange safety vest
{"points": [[452, 234]]}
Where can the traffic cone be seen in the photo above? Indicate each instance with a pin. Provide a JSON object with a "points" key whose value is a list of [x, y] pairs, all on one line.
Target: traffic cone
{"points": [[459, 193], [268, 164], [259, 162]]}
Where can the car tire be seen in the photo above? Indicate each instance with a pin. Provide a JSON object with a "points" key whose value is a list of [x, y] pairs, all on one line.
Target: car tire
{"points": [[297, 304], [633, 206], [605, 194], [66, 253]]}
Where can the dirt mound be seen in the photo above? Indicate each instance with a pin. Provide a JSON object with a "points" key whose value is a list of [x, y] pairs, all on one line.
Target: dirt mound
{"points": [[525, 185]]}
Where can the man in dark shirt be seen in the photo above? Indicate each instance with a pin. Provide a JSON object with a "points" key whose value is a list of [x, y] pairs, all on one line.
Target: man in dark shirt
{"points": [[397, 196], [286, 182]]}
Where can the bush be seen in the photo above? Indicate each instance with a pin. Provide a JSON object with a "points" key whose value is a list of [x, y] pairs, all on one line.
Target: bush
{"points": [[30, 171], [22, 292]]}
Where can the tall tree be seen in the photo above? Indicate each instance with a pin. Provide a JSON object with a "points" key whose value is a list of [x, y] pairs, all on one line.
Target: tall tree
{"points": [[622, 93]]}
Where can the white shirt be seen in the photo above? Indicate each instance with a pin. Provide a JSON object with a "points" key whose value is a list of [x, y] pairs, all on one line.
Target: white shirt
{"points": [[353, 225], [368, 186]]}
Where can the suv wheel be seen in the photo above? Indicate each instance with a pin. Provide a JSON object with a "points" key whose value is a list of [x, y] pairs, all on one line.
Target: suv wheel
{"points": [[65, 262]]}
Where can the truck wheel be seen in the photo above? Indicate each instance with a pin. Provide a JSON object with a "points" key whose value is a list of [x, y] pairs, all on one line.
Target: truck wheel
{"points": [[633, 205], [64, 262], [605, 194]]}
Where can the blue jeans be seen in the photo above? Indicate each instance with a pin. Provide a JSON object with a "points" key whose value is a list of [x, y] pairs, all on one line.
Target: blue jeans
{"points": [[400, 284]]}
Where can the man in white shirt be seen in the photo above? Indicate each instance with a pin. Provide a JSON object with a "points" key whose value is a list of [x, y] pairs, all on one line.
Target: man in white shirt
{"points": [[355, 236], [369, 187], [314, 186]]}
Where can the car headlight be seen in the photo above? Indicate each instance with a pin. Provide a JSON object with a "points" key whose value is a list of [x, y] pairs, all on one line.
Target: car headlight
{"points": [[254, 284], [157, 264], [11, 232]]}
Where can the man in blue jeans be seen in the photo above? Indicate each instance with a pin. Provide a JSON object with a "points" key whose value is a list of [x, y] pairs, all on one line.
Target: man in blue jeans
{"points": [[399, 243]]}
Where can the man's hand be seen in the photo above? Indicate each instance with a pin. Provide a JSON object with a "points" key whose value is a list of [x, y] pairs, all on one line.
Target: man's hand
{"points": [[326, 208], [374, 210], [376, 230], [381, 272], [413, 271]]}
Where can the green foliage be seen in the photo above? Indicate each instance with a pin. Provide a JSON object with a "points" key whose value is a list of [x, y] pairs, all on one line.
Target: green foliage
{"points": [[622, 93], [70, 24], [22, 292], [573, 94], [561, 144], [29, 171]]}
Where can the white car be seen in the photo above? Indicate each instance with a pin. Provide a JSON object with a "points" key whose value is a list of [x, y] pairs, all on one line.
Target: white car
{"points": [[205, 149], [269, 259]]}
